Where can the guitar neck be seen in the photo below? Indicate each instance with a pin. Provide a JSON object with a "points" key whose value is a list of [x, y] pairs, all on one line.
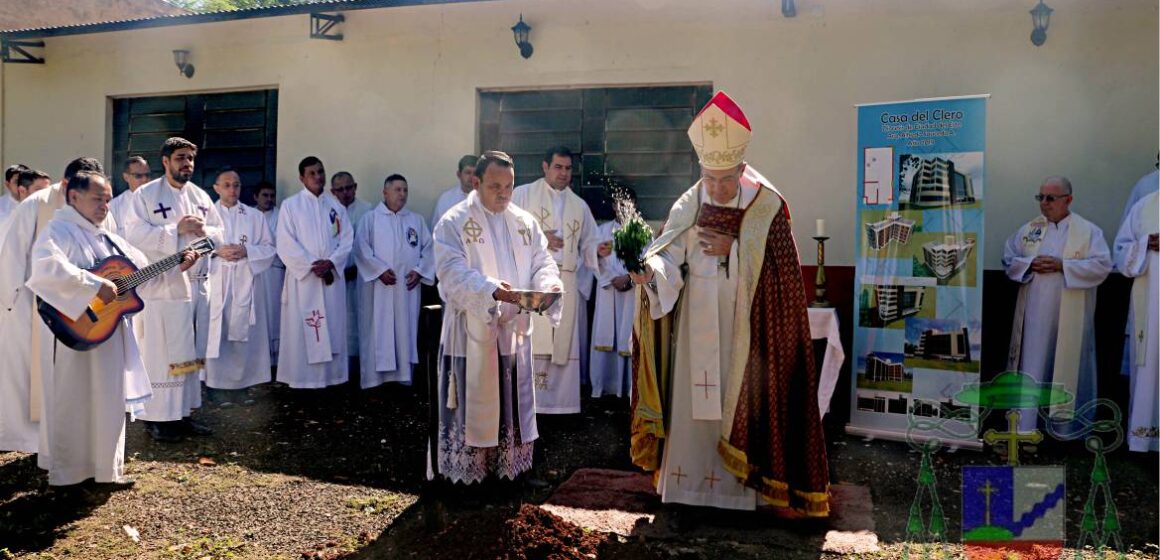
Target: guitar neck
{"points": [[150, 272]]}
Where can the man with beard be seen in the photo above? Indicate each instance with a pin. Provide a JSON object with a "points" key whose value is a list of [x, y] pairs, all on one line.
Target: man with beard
{"points": [[168, 214]]}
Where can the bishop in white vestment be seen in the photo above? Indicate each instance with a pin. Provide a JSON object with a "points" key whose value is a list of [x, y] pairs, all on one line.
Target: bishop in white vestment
{"points": [[1136, 257], [611, 363], [314, 240], [571, 230], [741, 422], [238, 354], [484, 248], [84, 429], [394, 253], [168, 214], [1060, 259]]}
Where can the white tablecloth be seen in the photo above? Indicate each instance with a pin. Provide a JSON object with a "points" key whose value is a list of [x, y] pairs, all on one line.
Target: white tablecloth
{"points": [[824, 324]]}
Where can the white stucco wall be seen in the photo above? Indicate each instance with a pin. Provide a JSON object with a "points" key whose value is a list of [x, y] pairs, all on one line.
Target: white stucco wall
{"points": [[399, 94]]}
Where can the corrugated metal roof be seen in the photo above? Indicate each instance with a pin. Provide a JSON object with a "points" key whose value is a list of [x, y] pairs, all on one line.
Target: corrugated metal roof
{"points": [[304, 7]]}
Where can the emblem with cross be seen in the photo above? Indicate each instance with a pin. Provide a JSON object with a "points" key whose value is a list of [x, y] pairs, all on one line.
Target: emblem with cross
{"points": [[986, 491], [1012, 437], [541, 380], [473, 230], [315, 321], [712, 478], [705, 385], [714, 128], [677, 473], [573, 230], [526, 235], [543, 217], [163, 210]]}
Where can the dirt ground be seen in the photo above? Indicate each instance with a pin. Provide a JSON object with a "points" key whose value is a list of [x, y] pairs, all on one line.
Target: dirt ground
{"points": [[339, 473]]}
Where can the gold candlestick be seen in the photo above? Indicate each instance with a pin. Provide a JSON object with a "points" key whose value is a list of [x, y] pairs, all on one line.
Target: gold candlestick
{"points": [[820, 278]]}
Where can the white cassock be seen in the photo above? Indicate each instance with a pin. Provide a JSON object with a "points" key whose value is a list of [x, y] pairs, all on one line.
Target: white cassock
{"points": [[175, 321], [21, 402], [355, 212], [611, 364], [1051, 335], [385, 240], [272, 281], [7, 204], [89, 391], [1134, 260], [449, 198], [693, 434], [487, 412], [312, 351], [557, 350], [119, 209], [238, 353], [18, 429]]}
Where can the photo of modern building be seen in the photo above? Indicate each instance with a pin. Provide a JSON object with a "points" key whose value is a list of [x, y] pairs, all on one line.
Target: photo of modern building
{"points": [[896, 301], [874, 401], [947, 257], [934, 182], [892, 228], [934, 409], [937, 345]]}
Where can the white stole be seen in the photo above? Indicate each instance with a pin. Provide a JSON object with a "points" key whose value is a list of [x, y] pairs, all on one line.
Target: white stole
{"points": [[482, 360], [314, 235], [237, 279], [1069, 334], [542, 206]]}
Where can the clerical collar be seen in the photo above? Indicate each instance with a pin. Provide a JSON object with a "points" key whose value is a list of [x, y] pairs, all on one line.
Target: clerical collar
{"points": [[1062, 222]]}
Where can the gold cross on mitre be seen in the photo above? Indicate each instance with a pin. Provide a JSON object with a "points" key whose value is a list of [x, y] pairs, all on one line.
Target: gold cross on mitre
{"points": [[714, 128], [1012, 437]]}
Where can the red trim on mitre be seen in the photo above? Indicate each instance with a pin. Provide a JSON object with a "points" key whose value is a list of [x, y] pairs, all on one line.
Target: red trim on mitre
{"points": [[727, 106]]}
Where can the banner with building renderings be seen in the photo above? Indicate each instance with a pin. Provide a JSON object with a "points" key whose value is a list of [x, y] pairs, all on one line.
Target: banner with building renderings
{"points": [[919, 265]]}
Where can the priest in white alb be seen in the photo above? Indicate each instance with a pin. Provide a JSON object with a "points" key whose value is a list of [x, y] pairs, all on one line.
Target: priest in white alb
{"points": [[21, 402], [344, 188], [168, 214], [611, 363], [486, 247], [1059, 258], [265, 196], [84, 429], [394, 253], [741, 425], [314, 240], [1135, 251], [135, 172], [238, 352], [567, 222]]}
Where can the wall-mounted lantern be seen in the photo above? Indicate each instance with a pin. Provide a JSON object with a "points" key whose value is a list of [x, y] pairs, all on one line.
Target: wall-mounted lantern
{"points": [[1041, 18], [521, 30], [181, 59]]}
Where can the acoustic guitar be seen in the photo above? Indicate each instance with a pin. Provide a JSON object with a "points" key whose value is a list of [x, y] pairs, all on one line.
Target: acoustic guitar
{"points": [[100, 320]]}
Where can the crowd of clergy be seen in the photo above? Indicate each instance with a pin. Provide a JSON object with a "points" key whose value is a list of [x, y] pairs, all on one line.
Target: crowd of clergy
{"points": [[291, 293]]}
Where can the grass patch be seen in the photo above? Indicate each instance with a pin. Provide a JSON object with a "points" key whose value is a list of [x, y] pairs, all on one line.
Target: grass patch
{"points": [[169, 479], [372, 504], [208, 548]]}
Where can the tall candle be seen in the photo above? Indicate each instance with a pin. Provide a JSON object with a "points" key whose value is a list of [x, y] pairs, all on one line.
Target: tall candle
{"points": [[821, 228]]}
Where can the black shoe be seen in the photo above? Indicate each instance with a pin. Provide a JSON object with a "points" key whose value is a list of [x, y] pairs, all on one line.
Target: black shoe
{"points": [[195, 428], [165, 432]]}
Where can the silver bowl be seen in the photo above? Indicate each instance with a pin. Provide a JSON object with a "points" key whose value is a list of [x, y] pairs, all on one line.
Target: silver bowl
{"points": [[534, 301]]}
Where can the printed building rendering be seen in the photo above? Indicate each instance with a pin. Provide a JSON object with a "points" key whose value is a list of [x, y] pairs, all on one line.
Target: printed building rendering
{"points": [[948, 257], [893, 228]]}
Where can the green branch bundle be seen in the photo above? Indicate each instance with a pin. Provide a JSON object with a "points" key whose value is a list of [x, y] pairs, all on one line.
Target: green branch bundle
{"points": [[634, 235]]}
